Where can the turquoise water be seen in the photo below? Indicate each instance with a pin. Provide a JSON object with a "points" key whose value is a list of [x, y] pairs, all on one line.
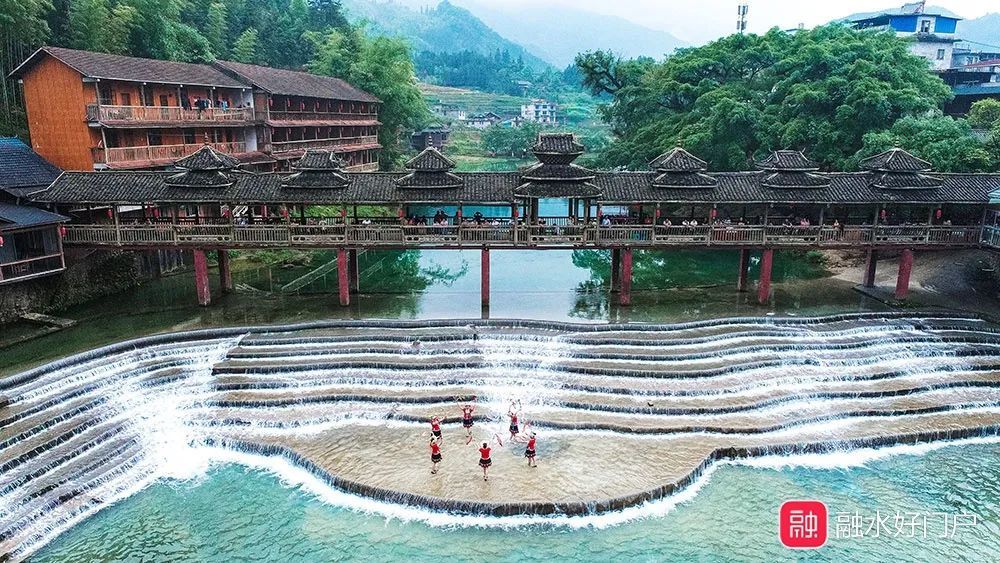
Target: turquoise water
{"points": [[240, 514]]}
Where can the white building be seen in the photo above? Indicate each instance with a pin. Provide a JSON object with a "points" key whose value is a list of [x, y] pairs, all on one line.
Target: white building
{"points": [[541, 111], [932, 30]]}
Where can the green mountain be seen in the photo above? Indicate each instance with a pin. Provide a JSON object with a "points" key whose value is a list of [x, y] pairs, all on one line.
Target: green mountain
{"points": [[984, 30], [557, 33], [445, 28]]}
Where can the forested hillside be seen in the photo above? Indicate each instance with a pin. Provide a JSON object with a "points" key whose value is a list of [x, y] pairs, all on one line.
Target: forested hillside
{"points": [[309, 35]]}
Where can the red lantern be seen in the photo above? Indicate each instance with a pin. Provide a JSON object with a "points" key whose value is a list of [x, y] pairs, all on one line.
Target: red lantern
{"points": [[1, 240], [62, 231], [156, 212], [515, 212], [284, 212], [937, 214], [713, 213], [458, 214], [270, 102], [883, 214], [263, 211], [657, 213], [600, 212], [399, 212], [110, 213]]}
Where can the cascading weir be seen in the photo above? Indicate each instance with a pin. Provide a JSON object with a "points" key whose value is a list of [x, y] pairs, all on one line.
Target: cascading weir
{"points": [[624, 413]]}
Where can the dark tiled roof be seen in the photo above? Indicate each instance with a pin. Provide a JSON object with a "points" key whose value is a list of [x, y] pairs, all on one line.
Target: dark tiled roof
{"points": [[895, 160], [437, 180], [22, 170], [295, 83], [318, 159], [787, 160], [199, 179], [21, 216], [499, 187], [678, 160], [557, 190], [430, 160], [557, 143], [905, 181], [133, 69], [315, 179], [207, 158], [543, 172], [684, 180], [796, 179]]}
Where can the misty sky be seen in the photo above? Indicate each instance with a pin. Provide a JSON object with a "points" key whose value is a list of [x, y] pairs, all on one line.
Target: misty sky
{"points": [[698, 21]]}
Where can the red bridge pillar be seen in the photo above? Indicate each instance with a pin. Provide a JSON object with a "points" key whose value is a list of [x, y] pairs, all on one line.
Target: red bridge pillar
{"points": [[201, 278], [741, 281], [484, 276], [225, 272], [352, 268], [870, 265], [764, 288], [616, 270], [342, 284], [903, 279], [625, 292]]}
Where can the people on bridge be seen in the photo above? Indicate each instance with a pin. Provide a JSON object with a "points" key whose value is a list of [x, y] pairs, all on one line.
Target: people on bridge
{"points": [[477, 217], [435, 454], [484, 460]]}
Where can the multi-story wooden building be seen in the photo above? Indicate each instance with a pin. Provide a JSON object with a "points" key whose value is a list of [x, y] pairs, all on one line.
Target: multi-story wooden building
{"points": [[90, 111]]}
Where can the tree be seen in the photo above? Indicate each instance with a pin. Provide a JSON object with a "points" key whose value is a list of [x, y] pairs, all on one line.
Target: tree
{"points": [[87, 19], [947, 143], [985, 114], [216, 29], [382, 66], [245, 47], [510, 141], [737, 98], [24, 20], [118, 32]]}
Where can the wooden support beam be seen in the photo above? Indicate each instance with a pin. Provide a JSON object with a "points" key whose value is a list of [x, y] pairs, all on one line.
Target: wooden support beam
{"points": [[225, 272], [764, 287], [625, 293], [342, 283], [903, 277], [741, 279], [201, 278], [616, 269], [871, 263]]}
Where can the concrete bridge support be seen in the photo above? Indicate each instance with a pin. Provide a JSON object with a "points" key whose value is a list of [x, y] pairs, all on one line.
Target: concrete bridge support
{"points": [[625, 291], [764, 287], [741, 280], [484, 276], [225, 271], [353, 271], [342, 278], [616, 270], [870, 265], [201, 278], [903, 277]]}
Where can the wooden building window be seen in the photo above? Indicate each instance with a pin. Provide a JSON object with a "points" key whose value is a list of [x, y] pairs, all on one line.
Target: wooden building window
{"points": [[153, 137]]}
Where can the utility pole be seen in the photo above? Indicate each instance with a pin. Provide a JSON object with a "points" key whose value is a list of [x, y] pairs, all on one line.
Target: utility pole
{"points": [[741, 23]]}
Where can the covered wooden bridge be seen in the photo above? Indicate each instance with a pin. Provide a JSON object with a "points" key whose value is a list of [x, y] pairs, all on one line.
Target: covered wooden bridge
{"points": [[895, 201]]}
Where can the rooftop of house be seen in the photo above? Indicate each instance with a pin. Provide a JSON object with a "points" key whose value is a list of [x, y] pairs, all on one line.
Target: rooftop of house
{"points": [[22, 170], [22, 216]]}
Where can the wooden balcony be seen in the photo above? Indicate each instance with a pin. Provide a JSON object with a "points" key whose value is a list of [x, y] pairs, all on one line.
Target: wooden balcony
{"points": [[146, 116], [520, 236], [303, 144], [321, 116], [157, 154], [31, 268]]}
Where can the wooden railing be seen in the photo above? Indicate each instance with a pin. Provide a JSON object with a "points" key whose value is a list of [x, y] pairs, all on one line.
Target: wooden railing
{"points": [[122, 155], [510, 235], [302, 144], [150, 114], [320, 116], [31, 268]]}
